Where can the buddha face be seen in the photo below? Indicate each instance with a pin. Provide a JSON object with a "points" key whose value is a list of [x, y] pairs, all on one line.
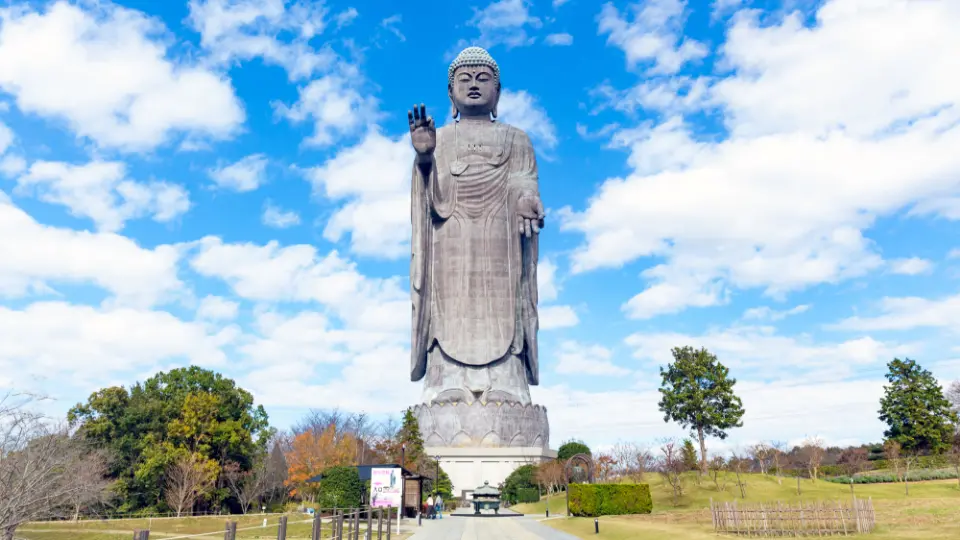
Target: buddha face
{"points": [[475, 90]]}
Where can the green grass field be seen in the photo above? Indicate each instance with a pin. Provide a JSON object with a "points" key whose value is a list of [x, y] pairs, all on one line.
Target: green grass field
{"points": [[932, 511], [298, 527]]}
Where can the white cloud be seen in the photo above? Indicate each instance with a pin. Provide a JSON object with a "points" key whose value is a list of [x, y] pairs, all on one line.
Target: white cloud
{"points": [[753, 210], [12, 165], [390, 23], [99, 190], [245, 175], [561, 39], [767, 313], [558, 3], [763, 354], [6, 138], [334, 105], [504, 22], [547, 286], [911, 267], [278, 218], [906, 314], [581, 359], [555, 317], [271, 273], [239, 30], [217, 308], [82, 344], [105, 71], [653, 35], [346, 17], [373, 178], [521, 110], [954, 253], [38, 257]]}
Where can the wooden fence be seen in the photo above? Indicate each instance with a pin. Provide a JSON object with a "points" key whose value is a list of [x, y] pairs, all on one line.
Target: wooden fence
{"points": [[815, 518], [355, 524]]}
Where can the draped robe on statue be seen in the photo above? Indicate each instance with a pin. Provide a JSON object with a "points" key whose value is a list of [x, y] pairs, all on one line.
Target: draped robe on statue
{"points": [[473, 272]]}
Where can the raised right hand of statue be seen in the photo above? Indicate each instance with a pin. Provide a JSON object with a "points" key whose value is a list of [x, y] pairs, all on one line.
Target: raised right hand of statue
{"points": [[423, 133]]}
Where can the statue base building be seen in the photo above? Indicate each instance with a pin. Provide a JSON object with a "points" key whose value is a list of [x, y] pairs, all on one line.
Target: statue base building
{"points": [[484, 442], [469, 468]]}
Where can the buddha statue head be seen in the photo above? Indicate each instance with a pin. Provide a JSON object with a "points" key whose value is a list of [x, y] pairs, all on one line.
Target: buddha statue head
{"points": [[474, 84]]}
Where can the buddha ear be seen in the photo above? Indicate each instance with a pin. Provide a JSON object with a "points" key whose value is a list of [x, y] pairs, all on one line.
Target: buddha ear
{"points": [[496, 101], [454, 112]]}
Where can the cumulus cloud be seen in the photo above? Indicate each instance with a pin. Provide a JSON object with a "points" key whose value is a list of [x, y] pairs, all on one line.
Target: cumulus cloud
{"points": [[652, 34], [522, 110], [906, 313], [246, 174], [561, 39], [582, 359], [911, 267], [770, 314], [39, 257], [106, 72], [372, 179], [753, 210], [556, 317], [278, 218], [334, 105], [216, 308], [504, 22], [99, 190]]}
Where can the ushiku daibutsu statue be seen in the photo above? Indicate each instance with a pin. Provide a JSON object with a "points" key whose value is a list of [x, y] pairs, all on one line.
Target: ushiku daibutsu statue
{"points": [[476, 214]]}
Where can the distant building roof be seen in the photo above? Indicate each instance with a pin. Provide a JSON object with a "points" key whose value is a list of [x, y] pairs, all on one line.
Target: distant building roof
{"points": [[364, 472]]}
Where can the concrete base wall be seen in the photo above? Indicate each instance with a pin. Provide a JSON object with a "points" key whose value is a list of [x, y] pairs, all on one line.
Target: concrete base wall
{"points": [[469, 468]]}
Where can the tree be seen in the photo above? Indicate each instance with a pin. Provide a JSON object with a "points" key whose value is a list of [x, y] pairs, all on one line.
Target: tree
{"points": [[689, 454], [893, 452], [853, 461], [313, 452], [522, 477], [276, 475], [189, 478], [697, 392], [917, 414], [571, 448], [672, 467], [341, 488], [550, 476], [37, 462], [718, 465], [605, 465], [778, 458], [89, 474], [812, 453], [761, 454], [247, 486], [146, 427], [954, 455]]}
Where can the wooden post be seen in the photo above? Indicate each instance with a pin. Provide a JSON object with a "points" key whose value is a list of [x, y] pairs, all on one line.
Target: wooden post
{"points": [[141, 534], [844, 521], [356, 525], [315, 531], [349, 517], [379, 523], [389, 521], [369, 535], [230, 530], [282, 528]]}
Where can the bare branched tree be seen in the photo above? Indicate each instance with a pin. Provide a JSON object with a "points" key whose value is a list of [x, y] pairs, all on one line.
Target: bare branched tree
{"points": [[89, 474], [954, 455], [718, 469], [813, 450], [953, 395], [891, 451], [38, 466], [778, 458], [671, 467], [188, 478], [853, 461], [761, 453], [247, 486]]}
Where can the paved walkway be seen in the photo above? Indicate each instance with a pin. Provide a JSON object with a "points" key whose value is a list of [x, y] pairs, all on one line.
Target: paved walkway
{"points": [[471, 528]]}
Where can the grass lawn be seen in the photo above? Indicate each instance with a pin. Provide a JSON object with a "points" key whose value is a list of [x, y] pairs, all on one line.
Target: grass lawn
{"points": [[932, 511], [298, 527]]}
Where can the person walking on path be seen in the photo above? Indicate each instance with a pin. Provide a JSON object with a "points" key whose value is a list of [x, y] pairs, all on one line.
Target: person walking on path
{"points": [[430, 507], [439, 506]]}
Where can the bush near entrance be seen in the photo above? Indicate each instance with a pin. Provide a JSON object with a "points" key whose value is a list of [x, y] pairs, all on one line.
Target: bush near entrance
{"points": [[592, 500], [528, 495]]}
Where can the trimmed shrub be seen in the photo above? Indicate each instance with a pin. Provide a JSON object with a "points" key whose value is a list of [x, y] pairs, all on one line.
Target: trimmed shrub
{"points": [[914, 476], [528, 495], [592, 500], [340, 487]]}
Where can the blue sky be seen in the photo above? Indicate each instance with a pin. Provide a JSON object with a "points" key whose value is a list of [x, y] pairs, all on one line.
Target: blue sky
{"points": [[226, 183]]}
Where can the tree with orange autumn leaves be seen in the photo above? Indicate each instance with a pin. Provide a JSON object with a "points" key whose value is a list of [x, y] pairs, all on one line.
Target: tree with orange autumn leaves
{"points": [[313, 451]]}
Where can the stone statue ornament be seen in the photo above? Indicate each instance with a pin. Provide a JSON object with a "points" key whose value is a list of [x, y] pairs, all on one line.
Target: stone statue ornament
{"points": [[476, 214]]}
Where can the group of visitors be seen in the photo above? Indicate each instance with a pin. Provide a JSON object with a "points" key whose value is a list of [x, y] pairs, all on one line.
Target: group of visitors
{"points": [[433, 508]]}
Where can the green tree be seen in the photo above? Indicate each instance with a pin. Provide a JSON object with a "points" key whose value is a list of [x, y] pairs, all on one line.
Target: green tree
{"points": [[522, 477], [340, 487], [410, 440], [697, 393], [148, 426], [571, 448], [915, 410], [689, 454]]}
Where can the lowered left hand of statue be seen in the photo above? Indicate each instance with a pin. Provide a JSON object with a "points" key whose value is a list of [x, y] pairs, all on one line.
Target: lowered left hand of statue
{"points": [[530, 214]]}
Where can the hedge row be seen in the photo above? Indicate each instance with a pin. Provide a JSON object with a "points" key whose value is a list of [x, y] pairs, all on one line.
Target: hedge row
{"points": [[914, 476], [528, 495], [592, 500]]}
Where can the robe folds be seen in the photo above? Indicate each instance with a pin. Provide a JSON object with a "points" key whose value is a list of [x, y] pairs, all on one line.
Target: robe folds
{"points": [[473, 275]]}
